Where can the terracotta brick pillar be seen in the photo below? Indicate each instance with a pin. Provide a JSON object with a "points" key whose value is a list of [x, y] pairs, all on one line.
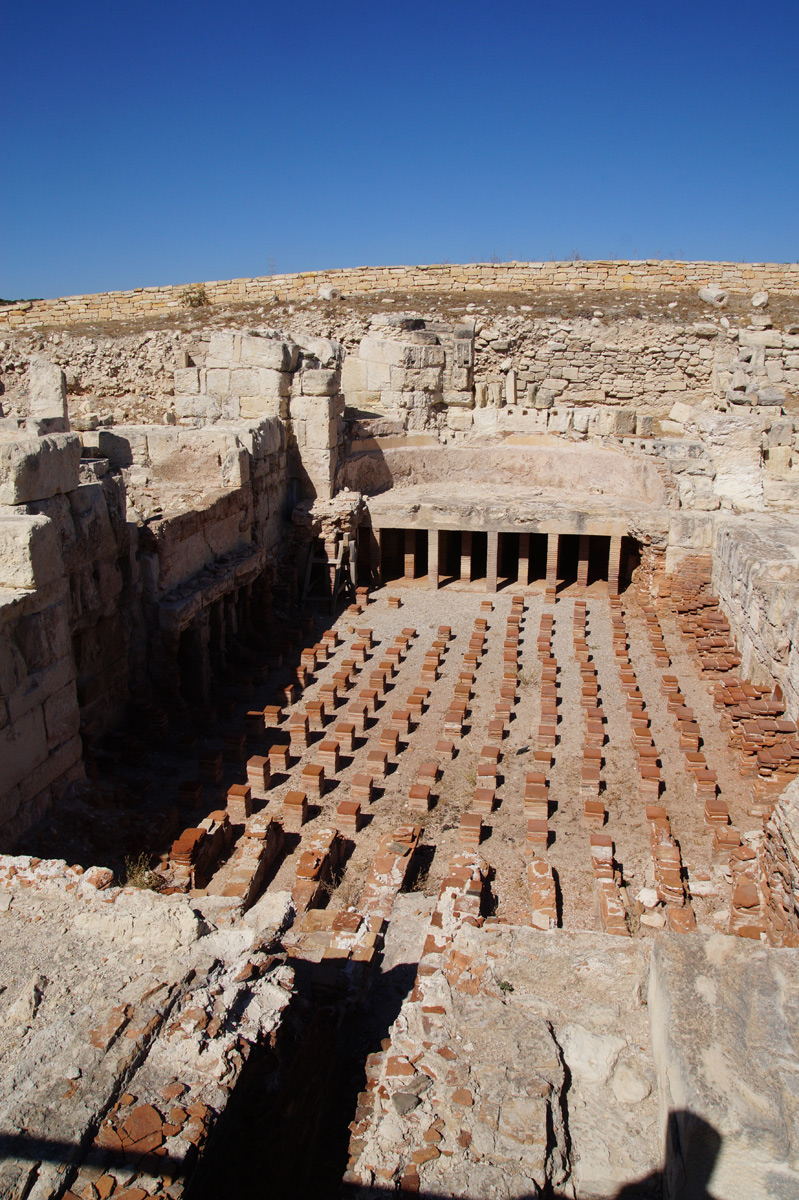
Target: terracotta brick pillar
{"points": [[524, 559], [433, 543], [378, 567], [410, 553], [492, 562], [614, 565], [582, 560], [552, 559], [466, 555]]}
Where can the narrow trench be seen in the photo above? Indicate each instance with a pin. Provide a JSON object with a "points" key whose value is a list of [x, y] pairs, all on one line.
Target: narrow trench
{"points": [[285, 1130]]}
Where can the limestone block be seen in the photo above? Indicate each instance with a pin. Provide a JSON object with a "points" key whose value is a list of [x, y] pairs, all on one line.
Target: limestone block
{"points": [[36, 687], [458, 399], [319, 382], [485, 420], [321, 426], [560, 420], [780, 433], [90, 520], [265, 438], [187, 380], [224, 349], [12, 666], [376, 377], [47, 397], [432, 356], [318, 469], [644, 425], [461, 379], [37, 468], [459, 419], [258, 408], [217, 381], [760, 337], [723, 1014], [259, 381], [464, 348], [206, 407], [61, 716], [354, 375], [779, 460], [326, 352], [215, 455], [713, 295], [122, 446], [405, 380], [29, 555], [771, 396], [23, 746], [401, 354], [681, 413], [624, 423], [267, 352], [58, 510], [59, 767]]}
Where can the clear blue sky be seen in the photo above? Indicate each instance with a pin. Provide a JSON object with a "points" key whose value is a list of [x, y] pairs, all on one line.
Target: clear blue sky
{"points": [[149, 143]]}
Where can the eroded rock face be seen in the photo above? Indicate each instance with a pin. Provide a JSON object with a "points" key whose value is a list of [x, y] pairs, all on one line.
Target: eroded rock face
{"points": [[723, 1012], [119, 998]]}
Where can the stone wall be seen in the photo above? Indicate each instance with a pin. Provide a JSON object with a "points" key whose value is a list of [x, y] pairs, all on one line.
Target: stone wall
{"points": [[756, 576], [591, 276], [109, 552], [40, 750]]}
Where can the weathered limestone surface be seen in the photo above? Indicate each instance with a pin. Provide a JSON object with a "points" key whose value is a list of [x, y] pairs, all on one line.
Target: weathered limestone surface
{"points": [[539, 1073], [33, 468], [47, 393], [756, 575], [119, 992], [780, 869], [724, 1029]]}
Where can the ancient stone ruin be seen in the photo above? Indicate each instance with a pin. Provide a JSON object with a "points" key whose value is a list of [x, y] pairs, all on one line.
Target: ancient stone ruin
{"points": [[399, 685]]}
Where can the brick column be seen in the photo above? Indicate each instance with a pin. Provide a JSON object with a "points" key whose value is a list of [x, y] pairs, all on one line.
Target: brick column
{"points": [[524, 559], [374, 553], [466, 555], [379, 572], [410, 553], [614, 565], [492, 562], [433, 540], [582, 560], [552, 560]]}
